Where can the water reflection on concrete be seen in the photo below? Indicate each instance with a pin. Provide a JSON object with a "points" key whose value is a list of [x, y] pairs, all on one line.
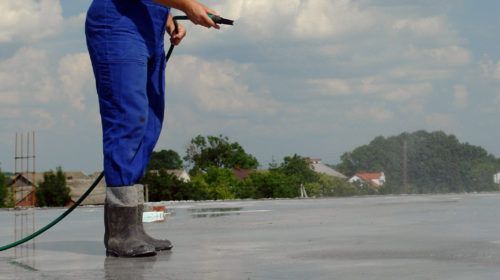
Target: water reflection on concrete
{"points": [[214, 212], [24, 225], [382, 238], [128, 268]]}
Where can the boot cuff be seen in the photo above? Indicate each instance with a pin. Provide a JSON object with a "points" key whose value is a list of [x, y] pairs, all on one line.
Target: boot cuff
{"points": [[122, 196], [140, 193]]}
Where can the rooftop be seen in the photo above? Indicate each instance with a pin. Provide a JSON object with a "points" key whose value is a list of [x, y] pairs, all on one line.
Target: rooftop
{"points": [[382, 237]]}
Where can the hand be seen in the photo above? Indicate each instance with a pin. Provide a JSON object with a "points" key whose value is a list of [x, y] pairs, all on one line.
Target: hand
{"points": [[176, 36], [197, 13]]}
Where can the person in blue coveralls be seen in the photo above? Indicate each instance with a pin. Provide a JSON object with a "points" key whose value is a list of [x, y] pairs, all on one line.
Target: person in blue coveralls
{"points": [[125, 43]]}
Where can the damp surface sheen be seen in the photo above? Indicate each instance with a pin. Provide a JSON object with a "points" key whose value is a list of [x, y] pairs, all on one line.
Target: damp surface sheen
{"points": [[391, 237]]}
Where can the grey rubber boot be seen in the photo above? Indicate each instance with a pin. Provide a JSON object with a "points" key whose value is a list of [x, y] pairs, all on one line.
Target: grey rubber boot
{"points": [[160, 245], [121, 237]]}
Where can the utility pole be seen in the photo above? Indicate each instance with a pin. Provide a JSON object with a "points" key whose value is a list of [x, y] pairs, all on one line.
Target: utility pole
{"points": [[405, 166]]}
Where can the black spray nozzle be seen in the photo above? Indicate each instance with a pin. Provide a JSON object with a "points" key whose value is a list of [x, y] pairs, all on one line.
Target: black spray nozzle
{"points": [[217, 19], [221, 20]]}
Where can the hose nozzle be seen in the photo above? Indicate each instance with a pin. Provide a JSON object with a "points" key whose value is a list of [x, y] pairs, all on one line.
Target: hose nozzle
{"points": [[221, 20]]}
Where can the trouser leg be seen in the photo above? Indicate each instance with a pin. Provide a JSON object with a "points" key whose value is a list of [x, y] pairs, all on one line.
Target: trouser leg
{"points": [[123, 100], [156, 104]]}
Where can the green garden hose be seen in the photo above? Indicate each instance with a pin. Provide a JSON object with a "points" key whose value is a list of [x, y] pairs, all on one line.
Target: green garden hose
{"points": [[54, 222]]}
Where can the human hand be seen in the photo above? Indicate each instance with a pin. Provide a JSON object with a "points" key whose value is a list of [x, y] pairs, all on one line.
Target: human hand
{"points": [[176, 35], [198, 14]]}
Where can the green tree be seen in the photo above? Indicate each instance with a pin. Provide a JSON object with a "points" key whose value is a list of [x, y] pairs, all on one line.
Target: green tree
{"points": [[3, 189], [298, 171], [221, 183], [435, 162], [217, 151], [165, 159], [267, 184], [53, 190], [164, 186], [333, 186]]}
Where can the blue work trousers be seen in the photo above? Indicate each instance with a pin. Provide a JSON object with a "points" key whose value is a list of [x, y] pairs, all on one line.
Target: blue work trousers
{"points": [[125, 43]]}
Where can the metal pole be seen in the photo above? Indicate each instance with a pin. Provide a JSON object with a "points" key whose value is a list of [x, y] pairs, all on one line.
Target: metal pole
{"points": [[26, 171], [15, 157], [34, 156]]}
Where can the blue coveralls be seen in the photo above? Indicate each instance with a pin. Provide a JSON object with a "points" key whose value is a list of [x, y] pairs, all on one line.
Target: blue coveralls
{"points": [[125, 42]]}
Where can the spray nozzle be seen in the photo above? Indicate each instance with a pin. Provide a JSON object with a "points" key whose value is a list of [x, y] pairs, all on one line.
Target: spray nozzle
{"points": [[220, 20]]}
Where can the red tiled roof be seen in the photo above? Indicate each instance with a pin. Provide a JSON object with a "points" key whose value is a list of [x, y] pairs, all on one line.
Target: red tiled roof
{"points": [[369, 176], [242, 173]]}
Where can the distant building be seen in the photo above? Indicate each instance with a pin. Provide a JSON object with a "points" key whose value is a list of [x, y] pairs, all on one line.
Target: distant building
{"points": [[78, 182], [376, 179], [241, 174], [496, 178], [316, 165], [24, 185]]}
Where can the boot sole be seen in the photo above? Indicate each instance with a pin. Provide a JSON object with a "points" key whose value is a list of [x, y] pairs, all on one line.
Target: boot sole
{"points": [[164, 249], [111, 253]]}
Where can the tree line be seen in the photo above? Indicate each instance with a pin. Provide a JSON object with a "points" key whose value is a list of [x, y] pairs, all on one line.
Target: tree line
{"points": [[425, 162], [419, 162], [211, 161]]}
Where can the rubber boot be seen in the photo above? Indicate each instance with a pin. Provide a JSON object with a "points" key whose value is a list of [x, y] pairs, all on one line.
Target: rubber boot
{"points": [[121, 237], [160, 245]]}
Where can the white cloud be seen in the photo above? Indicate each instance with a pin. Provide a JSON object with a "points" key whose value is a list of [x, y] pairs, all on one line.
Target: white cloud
{"points": [[25, 78], [451, 55], [430, 26], [461, 96], [490, 69], [77, 21], [300, 18], [42, 120], [419, 71], [392, 90], [217, 86], [75, 75], [497, 99], [439, 121], [331, 87], [371, 113], [29, 20], [325, 18]]}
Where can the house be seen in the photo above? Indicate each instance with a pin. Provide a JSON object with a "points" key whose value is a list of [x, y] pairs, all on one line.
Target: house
{"points": [[23, 186], [316, 165], [241, 174], [496, 178], [376, 179], [78, 182]]}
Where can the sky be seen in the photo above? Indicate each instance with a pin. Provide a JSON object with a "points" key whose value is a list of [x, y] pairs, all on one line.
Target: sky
{"points": [[312, 77]]}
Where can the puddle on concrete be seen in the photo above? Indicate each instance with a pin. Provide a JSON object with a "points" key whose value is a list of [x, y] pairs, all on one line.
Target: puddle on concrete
{"points": [[214, 212]]}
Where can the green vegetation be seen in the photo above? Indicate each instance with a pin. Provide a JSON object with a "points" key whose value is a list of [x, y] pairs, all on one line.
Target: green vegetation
{"points": [[435, 162], [53, 190], [3, 189], [165, 159], [216, 151]]}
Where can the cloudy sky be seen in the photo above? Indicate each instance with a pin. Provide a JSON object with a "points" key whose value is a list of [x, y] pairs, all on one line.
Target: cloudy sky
{"points": [[313, 77]]}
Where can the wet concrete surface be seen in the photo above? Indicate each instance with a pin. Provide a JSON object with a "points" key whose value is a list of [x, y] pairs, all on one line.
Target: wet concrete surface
{"points": [[406, 237]]}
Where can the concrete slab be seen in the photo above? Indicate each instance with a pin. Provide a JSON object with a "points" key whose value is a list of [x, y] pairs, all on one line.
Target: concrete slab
{"points": [[407, 237]]}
